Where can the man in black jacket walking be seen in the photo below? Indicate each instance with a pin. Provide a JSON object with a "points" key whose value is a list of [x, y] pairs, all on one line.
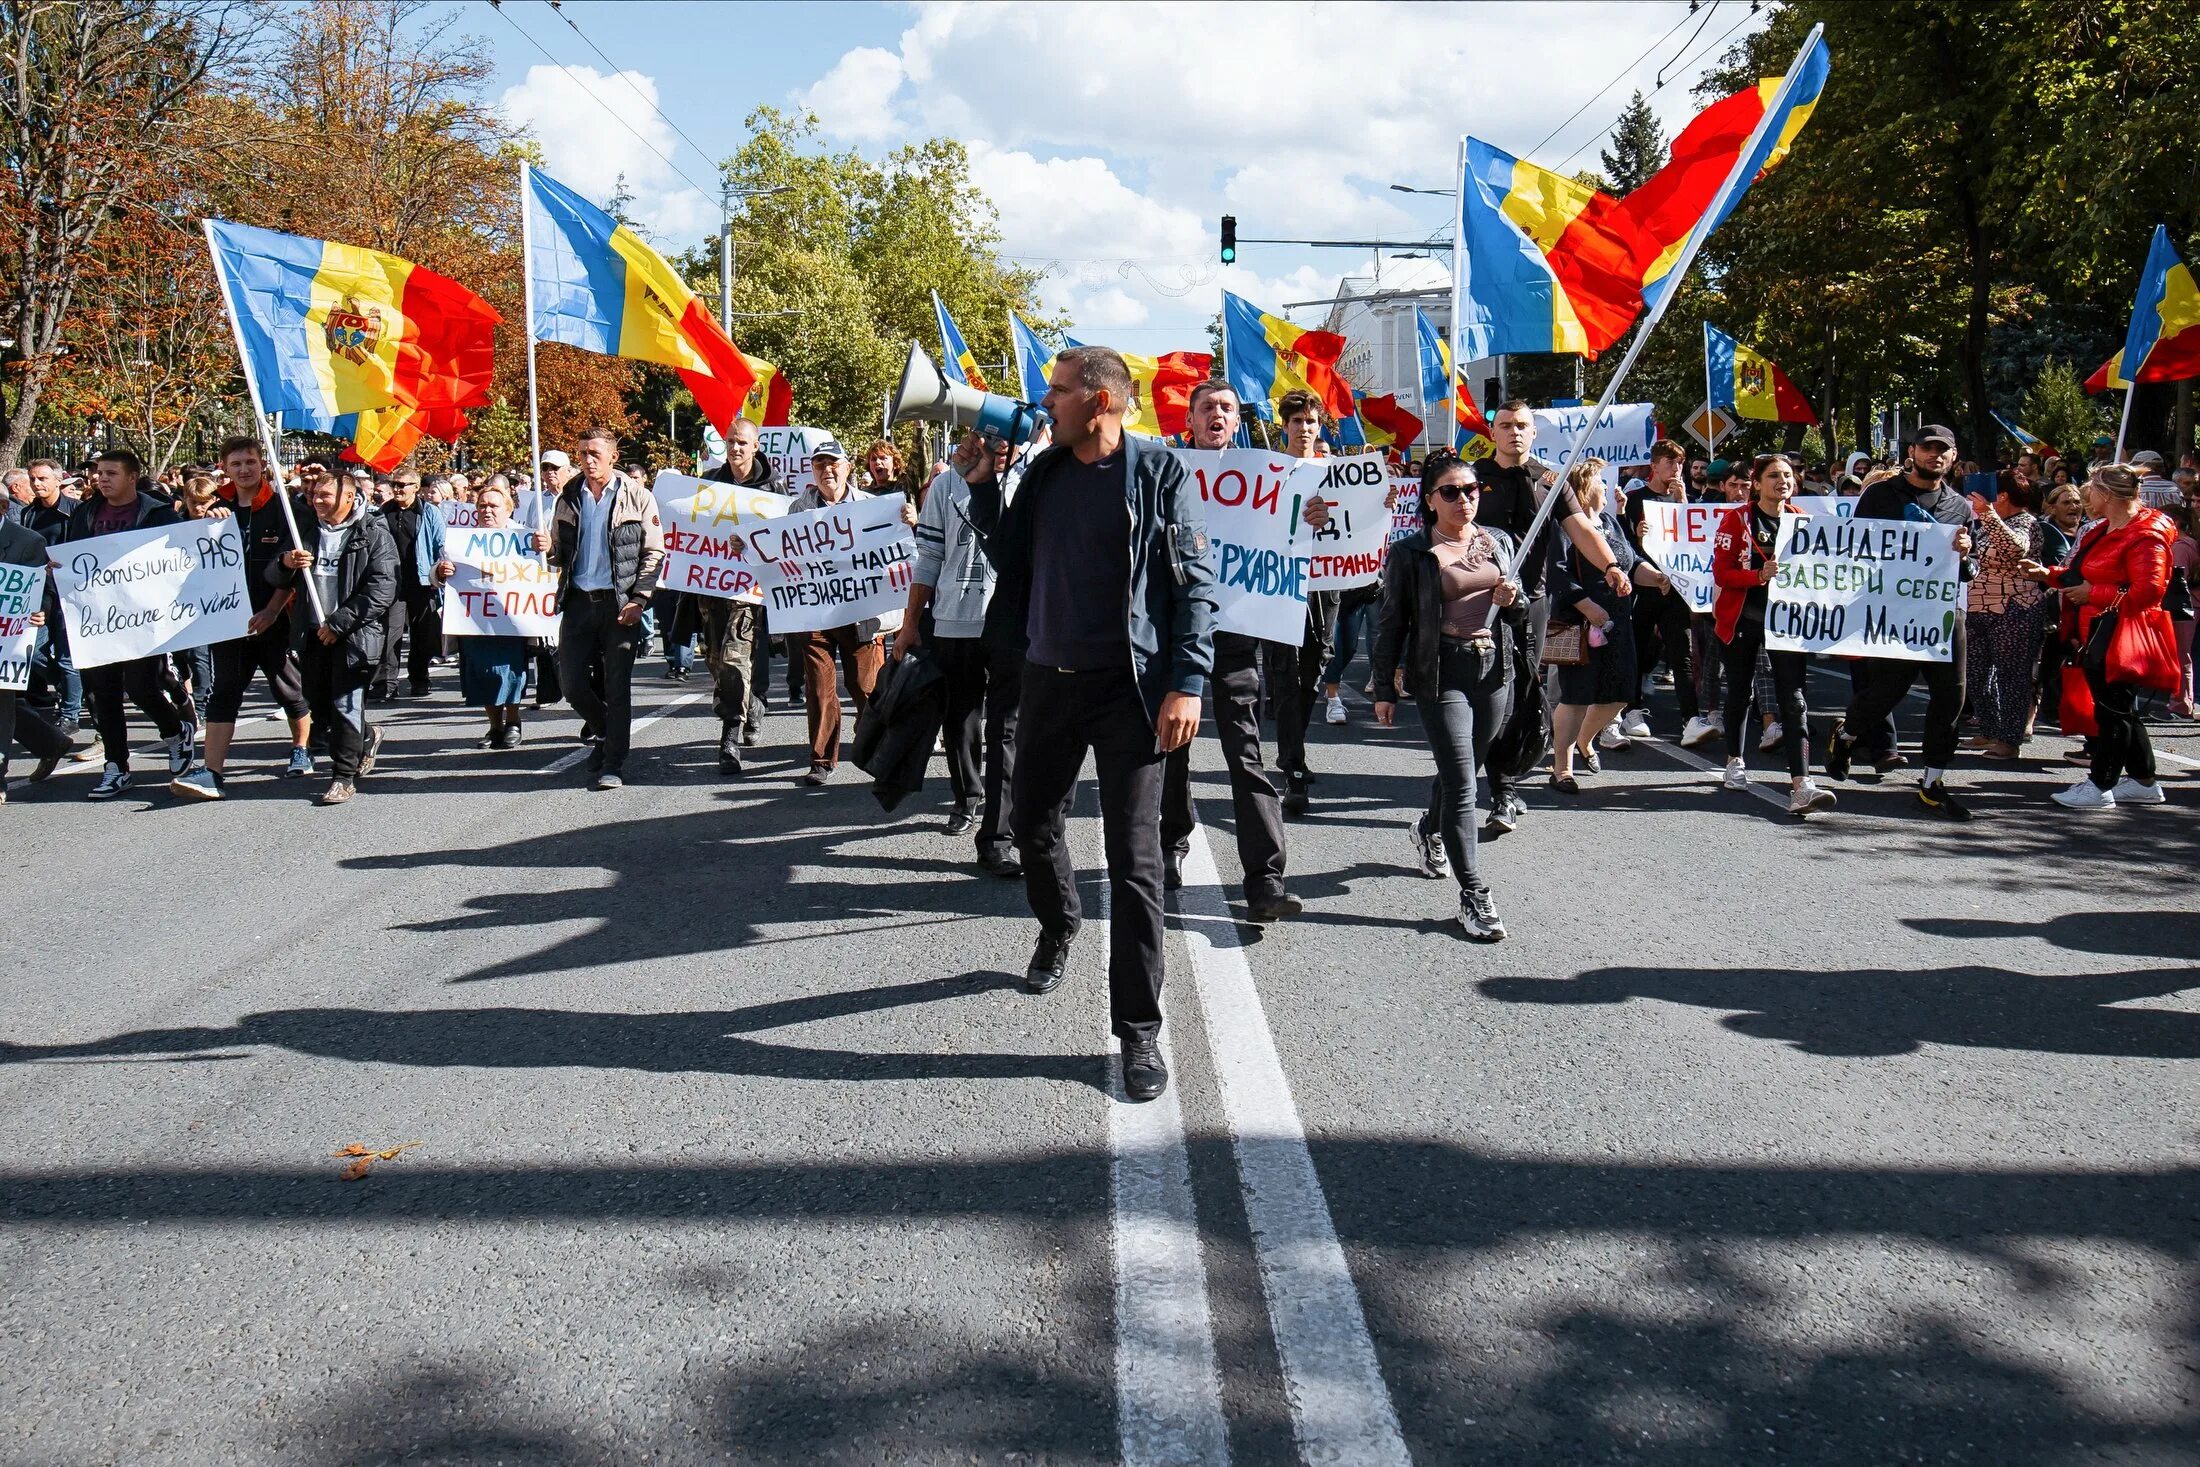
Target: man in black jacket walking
{"points": [[20, 545], [353, 562], [1106, 584]]}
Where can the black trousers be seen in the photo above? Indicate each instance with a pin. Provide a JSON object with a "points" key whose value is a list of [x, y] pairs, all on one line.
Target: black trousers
{"points": [[1661, 630], [1537, 619], [141, 682], [984, 687], [1789, 670], [39, 734], [1064, 714], [416, 618], [1878, 684], [2122, 746], [1236, 685], [337, 694], [589, 631], [1294, 677], [236, 661]]}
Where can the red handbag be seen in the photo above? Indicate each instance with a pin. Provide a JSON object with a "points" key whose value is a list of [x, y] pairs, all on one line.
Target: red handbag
{"points": [[2142, 652], [2074, 715]]}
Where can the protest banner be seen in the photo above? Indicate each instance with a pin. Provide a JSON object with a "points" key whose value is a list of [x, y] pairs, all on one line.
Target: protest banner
{"points": [[1865, 588], [1348, 551], [22, 593], [788, 451], [1253, 498], [1405, 508], [1678, 539], [459, 515], [1840, 506], [145, 593], [499, 586], [704, 523], [832, 566], [1624, 434]]}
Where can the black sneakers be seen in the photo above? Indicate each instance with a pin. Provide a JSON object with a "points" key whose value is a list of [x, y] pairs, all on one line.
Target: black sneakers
{"points": [[1937, 798], [1144, 1075], [1838, 749], [1049, 961]]}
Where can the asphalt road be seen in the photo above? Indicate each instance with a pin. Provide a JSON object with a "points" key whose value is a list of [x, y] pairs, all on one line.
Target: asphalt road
{"points": [[1868, 1141]]}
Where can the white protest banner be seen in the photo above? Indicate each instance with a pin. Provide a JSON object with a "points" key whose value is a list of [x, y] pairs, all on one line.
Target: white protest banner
{"points": [[832, 566], [459, 515], [499, 585], [703, 521], [1865, 588], [1405, 508], [788, 451], [144, 593], [22, 593], [1348, 551], [1623, 435], [1840, 506], [1678, 539], [1253, 499]]}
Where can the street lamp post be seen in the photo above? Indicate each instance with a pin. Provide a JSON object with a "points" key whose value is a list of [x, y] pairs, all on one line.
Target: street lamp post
{"points": [[728, 193]]}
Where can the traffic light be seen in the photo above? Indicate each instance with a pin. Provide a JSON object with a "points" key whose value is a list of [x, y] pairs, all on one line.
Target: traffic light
{"points": [[1229, 239]]}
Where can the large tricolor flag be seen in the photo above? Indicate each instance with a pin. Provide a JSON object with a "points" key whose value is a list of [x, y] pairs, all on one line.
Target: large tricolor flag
{"points": [[597, 285], [956, 359], [329, 330], [1751, 383], [1470, 431], [2163, 341], [771, 398], [1385, 424], [1549, 264], [1267, 356], [1034, 358], [1161, 389], [383, 438]]}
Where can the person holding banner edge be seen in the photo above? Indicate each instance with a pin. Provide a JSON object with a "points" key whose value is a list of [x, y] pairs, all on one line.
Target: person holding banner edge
{"points": [[858, 646], [19, 721], [1105, 582], [492, 671], [353, 562], [1294, 673]]}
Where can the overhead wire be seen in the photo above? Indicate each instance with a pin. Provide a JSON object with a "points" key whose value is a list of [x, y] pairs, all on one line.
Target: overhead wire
{"points": [[1605, 131], [557, 9], [1624, 73]]}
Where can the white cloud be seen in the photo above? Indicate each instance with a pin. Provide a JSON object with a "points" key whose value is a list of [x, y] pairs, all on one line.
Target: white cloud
{"points": [[585, 148], [853, 100], [1110, 309]]}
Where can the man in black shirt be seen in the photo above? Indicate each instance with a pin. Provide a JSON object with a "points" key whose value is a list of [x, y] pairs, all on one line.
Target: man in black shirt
{"points": [[1877, 684], [415, 617], [1106, 584], [1512, 485], [1294, 673]]}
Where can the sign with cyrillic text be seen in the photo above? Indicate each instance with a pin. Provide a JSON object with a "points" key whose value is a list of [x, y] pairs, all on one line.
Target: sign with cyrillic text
{"points": [[1253, 500], [1624, 434], [144, 593], [22, 595], [1677, 538], [704, 522], [1347, 553], [499, 586], [788, 451], [832, 566], [1865, 588]]}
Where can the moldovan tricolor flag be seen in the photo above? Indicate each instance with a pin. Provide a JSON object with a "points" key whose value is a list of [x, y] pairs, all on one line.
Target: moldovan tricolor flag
{"points": [[1384, 424], [2164, 337], [332, 329], [1749, 382], [1034, 358], [1161, 388], [771, 398], [599, 287], [383, 438], [1267, 356], [1470, 431], [956, 359]]}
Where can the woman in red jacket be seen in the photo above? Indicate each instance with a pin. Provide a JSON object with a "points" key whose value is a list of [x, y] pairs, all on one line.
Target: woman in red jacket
{"points": [[2121, 563], [1742, 565]]}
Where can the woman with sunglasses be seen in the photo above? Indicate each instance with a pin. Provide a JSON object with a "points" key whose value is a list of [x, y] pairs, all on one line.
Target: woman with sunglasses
{"points": [[1439, 628], [1743, 566]]}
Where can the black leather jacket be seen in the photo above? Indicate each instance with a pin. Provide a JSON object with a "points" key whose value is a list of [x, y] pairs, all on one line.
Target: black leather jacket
{"points": [[1410, 630]]}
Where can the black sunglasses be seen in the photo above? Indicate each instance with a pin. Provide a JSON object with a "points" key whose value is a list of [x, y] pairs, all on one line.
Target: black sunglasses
{"points": [[1458, 491]]}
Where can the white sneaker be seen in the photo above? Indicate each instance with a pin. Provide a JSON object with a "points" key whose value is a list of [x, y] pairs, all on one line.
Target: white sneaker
{"points": [[1718, 719], [2085, 795], [1611, 737], [1770, 738], [112, 783], [1336, 709], [2129, 791], [1807, 797], [1645, 686], [1736, 776], [1700, 730], [179, 752], [1635, 724]]}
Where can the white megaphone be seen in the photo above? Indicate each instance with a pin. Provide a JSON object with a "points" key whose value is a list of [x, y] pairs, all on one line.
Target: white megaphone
{"points": [[927, 395]]}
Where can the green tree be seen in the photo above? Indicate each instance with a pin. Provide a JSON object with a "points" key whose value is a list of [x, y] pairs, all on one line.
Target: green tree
{"points": [[1638, 148], [498, 435], [2058, 409]]}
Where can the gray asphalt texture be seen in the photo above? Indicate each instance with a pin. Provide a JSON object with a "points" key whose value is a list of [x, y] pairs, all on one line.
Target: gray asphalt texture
{"points": [[1868, 1140]]}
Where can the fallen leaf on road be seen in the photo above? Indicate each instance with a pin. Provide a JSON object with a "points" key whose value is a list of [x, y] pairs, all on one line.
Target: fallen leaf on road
{"points": [[366, 1157], [358, 1168], [355, 1149]]}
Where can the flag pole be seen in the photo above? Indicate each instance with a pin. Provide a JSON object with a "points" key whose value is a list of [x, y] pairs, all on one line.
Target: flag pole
{"points": [[527, 285], [260, 421], [2124, 425], [1734, 180], [1710, 419], [1458, 285]]}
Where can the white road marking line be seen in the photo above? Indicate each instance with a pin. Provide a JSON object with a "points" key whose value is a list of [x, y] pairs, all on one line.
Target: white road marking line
{"points": [[1695, 760], [1340, 1409], [1168, 1389], [567, 761]]}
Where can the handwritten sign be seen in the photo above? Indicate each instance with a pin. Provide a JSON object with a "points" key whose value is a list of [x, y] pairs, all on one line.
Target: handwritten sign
{"points": [[704, 522], [1348, 551], [833, 566], [499, 586], [788, 451], [1623, 435], [1253, 499], [1405, 508], [22, 593], [459, 515], [1678, 539], [145, 593], [1865, 588]]}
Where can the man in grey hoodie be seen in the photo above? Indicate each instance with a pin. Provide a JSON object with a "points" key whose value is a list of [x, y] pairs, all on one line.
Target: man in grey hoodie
{"points": [[948, 595]]}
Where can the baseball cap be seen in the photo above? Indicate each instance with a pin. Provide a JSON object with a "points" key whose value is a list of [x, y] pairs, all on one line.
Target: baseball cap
{"points": [[2147, 458], [1719, 469], [556, 458], [830, 448], [1931, 433]]}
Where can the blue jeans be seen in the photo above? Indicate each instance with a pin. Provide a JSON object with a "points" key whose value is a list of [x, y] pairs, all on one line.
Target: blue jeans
{"points": [[57, 668], [1473, 699], [1355, 619]]}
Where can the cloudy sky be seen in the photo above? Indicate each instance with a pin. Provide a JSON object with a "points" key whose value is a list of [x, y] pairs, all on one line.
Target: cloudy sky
{"points": [[1111, 137]]}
